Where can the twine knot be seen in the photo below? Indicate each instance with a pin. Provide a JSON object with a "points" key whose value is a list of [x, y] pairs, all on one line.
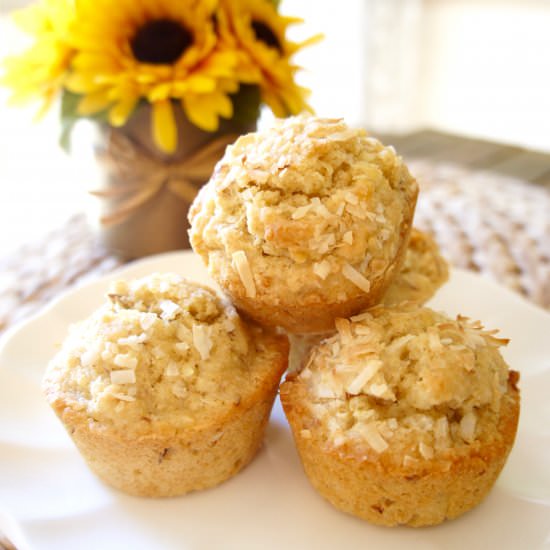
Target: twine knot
{"points": [[136, 176]]}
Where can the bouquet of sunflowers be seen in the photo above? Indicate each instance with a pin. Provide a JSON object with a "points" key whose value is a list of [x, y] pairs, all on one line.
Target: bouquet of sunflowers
{"points": [[209, 58]]}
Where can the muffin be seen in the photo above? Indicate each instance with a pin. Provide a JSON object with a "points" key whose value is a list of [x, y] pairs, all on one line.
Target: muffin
{"points": [[164, 389], [422, 273], [424, 270], [304, 222], [404, 416]]}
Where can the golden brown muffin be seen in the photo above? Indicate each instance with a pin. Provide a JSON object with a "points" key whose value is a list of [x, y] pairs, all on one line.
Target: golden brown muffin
{"points": [[304, 222], [164, 389], [422, 273], [404, 416]]}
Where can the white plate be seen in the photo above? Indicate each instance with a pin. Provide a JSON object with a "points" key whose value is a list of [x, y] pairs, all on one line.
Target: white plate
{"points": [[59, 504]]}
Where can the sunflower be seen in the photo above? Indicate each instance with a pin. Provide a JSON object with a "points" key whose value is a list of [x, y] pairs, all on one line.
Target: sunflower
{"points": [[106, 56], [40, 71], [257, 32], [164, 51]]}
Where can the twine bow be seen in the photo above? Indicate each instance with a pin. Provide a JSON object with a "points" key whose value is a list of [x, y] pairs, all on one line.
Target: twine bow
{"points": [[138, 176]]}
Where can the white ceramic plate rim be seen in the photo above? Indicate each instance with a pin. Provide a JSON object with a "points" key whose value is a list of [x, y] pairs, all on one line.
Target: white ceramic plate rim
{"points": [[57, 503]]}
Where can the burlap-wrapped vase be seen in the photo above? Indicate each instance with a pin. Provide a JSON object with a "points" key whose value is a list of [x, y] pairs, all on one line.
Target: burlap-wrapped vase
{"points": [[144, 194]]}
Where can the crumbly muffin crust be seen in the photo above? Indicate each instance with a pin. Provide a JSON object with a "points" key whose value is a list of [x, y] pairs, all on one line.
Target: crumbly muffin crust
{"points": [[423, 271], [164, 389], [400, 403], [157, 356], [307, 213]]}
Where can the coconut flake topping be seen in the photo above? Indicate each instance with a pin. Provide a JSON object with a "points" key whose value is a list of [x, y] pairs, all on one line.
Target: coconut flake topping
{"points": [[240, 263]]}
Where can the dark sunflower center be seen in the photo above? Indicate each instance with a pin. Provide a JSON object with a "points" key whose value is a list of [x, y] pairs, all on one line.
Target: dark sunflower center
{"points": [[266, 35], [160, 42]]}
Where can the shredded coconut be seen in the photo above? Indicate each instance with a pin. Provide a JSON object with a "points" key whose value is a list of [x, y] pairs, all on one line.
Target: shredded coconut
{"points": [[201, 340], [356, 211], [168, 308], [172, 369], [300, 212], [321, 197], [321, 269], [358, 383], [358, 279], [131, 368], [123, 397], [126, 376], [182, 347], [127, 361], [148, 320], [240, 262], [468, 426], [426, 451], [388, 377], [374, 439]]}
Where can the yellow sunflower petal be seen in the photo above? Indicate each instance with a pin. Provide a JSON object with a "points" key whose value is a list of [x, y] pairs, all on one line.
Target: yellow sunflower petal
{"points": [[32, 19], [229, 85], [160, 92], [204, 110], [39, 72], [46, 104], [94, 62], [273, 101], [81, 83], [165, 132], [93, 103], [264, 60], [201, 84], [119, 113]]}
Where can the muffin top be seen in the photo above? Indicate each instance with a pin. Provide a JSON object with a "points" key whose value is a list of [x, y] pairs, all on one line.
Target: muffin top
{"points": [[405, 384], [307, 206], [162, 354], [423, 271]]}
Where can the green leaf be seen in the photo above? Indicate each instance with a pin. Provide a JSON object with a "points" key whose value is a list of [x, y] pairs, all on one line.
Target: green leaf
{"points": [[70, 116], [246, 104], [69, 104]]}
